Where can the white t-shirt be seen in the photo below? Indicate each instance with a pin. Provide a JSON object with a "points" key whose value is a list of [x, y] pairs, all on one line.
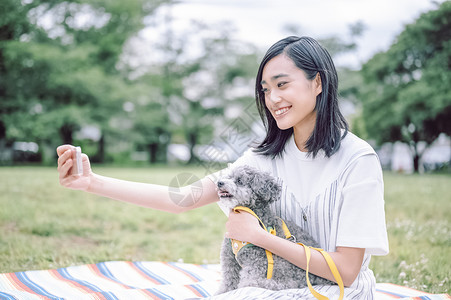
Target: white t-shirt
{"points": [[339, 200]]}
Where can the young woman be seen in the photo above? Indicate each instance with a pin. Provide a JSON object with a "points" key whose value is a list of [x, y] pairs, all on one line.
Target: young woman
{"points": [[332, 180]]}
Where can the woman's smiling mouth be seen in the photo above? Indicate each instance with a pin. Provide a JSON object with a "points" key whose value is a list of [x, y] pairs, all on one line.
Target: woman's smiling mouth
{"points": [[282, 111]]}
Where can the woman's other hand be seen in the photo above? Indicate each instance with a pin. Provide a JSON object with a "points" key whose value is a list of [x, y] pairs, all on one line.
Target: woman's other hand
{"points": [[66, 160], [243, 226]]}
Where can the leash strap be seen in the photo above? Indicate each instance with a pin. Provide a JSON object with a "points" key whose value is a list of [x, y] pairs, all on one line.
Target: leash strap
{"points": [[329, 260], [272, 231], [285, 229], [332, 267], [270, 264]]}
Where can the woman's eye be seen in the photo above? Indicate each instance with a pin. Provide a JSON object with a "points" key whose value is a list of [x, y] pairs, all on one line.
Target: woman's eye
{"points": [[264, 90], [281, 84]]}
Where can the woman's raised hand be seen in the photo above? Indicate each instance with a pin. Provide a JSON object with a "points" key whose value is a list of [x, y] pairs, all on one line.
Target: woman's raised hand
{"points": [[66, 160]]}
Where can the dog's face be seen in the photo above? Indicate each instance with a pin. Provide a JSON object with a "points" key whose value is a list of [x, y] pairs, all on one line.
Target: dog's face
{"points": [[246, 186]]}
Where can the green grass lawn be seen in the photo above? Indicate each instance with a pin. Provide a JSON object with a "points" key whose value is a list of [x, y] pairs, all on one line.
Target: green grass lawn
{"points": [[43, 225], [418, 209]]}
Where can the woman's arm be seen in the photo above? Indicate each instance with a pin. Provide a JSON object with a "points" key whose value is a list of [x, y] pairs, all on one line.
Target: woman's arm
{"points": [[348, 260], [148, 195]]}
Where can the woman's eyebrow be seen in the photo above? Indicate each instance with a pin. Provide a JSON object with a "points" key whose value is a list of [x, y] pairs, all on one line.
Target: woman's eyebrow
{"points": [[275, 77]]}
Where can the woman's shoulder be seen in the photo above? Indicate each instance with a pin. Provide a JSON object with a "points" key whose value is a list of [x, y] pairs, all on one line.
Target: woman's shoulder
{"points": [[354, 145], [253, 159], [352, 150], [357, 153]]}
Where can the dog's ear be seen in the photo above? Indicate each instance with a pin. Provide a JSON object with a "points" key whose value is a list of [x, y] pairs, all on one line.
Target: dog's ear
{"points": [[266, 188]]}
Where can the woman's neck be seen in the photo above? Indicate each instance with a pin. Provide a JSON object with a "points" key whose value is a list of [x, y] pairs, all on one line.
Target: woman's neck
{"points": [[301, 135]]}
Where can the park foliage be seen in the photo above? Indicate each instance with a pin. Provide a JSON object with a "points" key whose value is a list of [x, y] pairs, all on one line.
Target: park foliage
{"points": [[70, 65]]}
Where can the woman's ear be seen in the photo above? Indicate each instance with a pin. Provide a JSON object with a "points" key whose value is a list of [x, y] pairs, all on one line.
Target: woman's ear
{"points": [[317, 84]]}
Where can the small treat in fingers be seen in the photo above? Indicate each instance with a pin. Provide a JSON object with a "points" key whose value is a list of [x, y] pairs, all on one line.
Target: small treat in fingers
{"points": [[77, 168]]}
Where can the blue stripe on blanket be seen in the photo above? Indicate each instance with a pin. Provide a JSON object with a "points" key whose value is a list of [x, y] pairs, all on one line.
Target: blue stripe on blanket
{"points": [[159, 294], [63, 272], [107, 273], [109, 296], [5, 296], [33, 286], [390, 293], [176, 265], [200, 289], [149, 273]]}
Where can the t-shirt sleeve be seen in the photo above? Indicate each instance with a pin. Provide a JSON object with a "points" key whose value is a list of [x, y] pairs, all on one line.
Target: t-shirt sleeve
{"points": [[362, 216]]}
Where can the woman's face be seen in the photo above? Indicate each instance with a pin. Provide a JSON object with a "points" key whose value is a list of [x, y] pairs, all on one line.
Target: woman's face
{"points": [[289, 95]]}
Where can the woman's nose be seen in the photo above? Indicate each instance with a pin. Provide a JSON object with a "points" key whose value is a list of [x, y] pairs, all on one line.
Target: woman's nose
{"points": [[274, 97]]}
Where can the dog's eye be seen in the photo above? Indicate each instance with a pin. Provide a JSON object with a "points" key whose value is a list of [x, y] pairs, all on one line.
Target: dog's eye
{"points": [[239, 181]]}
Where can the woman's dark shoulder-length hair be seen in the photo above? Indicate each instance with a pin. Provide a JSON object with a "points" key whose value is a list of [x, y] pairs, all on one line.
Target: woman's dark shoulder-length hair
{"points": [[331, 127]]}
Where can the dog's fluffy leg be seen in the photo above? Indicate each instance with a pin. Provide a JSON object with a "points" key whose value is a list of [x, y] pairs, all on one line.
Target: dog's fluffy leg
{"points": [[229, 267], [255, 266]]}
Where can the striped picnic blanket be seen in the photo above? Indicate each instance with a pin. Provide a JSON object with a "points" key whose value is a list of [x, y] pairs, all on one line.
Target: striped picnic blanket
{"points": [[140, 280]]}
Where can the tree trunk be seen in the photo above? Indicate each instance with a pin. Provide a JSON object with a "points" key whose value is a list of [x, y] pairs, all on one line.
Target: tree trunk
{"points": [[416, 163], [192, 142], [2, 130], [101, 149], [66, 133], [153, 150], [416, 155]]}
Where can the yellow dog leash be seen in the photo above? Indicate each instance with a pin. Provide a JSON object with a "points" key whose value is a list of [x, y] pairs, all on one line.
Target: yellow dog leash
{"points": [[237, 245], [288, 235]]}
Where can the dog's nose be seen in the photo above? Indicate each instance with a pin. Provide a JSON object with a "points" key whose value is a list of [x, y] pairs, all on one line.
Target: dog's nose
{"points": [[220, 183]]}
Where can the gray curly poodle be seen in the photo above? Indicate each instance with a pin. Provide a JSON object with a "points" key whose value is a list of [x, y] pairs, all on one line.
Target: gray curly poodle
{"points": [[246, 186]]}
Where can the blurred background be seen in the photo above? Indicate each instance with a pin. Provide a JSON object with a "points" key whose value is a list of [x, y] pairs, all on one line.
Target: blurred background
{"points": [[144, 82], [153, 90]]}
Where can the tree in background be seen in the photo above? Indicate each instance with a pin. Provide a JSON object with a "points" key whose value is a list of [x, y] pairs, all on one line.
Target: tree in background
{"points": [[58, 65], [206, 95], [406, 94], [193, 89], [146, 124]]}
